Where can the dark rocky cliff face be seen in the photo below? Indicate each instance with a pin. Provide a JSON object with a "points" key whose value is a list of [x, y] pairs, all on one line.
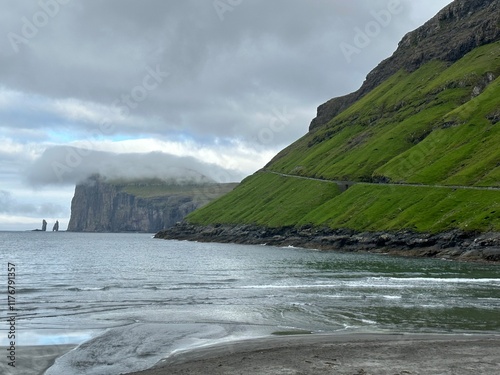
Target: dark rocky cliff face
{"points": [[98, 206], [451, 34]]}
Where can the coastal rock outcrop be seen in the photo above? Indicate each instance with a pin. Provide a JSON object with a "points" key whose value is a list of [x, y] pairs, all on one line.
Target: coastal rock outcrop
{"points": [[455, 244], [136, 206]]}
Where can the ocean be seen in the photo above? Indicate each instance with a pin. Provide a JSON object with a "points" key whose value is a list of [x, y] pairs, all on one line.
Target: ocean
{"points": [[129, 300]]}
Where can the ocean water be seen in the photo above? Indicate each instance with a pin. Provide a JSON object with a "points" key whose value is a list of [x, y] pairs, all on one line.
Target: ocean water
{"points": [[130, 300]]}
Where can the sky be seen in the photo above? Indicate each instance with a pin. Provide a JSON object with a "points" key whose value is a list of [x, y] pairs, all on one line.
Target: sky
{"points": [[130, 88]]}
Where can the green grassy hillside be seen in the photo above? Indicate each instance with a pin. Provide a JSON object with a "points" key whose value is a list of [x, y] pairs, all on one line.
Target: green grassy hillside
{"points": [[418, 127], [270, 200], [267, 199], [438, 125]]}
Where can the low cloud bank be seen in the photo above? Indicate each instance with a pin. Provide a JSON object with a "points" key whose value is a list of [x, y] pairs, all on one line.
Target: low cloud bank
{"points": [[9, 205], [70, 166]]}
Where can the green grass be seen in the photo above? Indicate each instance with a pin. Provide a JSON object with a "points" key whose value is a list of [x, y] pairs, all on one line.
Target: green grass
{"points": [[423, 209], [156, 188], [266, 199], [270, 200], [424, 127], [418, 127], [466, 153]]}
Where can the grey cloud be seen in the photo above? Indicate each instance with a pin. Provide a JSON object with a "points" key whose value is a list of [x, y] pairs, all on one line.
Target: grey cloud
{"points": [[9, 205], [252, 79], [69, 166], [277, 52]]}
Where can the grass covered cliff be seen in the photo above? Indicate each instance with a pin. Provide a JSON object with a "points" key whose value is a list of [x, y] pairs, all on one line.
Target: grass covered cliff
{"points": [[418, 148], [137, 206]]}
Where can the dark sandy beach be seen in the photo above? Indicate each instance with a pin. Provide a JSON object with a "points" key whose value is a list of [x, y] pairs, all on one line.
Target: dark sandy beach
{"points": [[362, 354]]}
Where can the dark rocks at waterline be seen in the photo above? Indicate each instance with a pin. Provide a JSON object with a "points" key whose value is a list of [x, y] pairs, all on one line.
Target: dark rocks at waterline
{"points": [[456, 244]]}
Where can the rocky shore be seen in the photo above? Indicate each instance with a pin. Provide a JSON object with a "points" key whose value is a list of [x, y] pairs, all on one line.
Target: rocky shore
{"points": [[456, 244]]}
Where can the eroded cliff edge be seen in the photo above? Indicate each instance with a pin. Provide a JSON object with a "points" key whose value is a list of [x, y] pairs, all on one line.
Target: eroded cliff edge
{"points": [[137, 206]]}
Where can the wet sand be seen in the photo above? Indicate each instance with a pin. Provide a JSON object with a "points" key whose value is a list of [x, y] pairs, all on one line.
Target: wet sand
{"points": [[32, 360], [355, 354]]}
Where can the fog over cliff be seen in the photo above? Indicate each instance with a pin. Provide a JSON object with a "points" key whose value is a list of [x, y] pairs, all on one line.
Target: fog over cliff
{"points": [[71, 166]]}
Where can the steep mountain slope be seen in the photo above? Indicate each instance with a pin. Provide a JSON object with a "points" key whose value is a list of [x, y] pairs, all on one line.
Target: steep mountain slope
{"points": [[419, 142], [435, 125], [136, 206], [466, 23]]}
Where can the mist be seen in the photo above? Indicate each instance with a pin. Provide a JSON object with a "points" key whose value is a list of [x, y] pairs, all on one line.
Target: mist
{"points": [[60, 166]]}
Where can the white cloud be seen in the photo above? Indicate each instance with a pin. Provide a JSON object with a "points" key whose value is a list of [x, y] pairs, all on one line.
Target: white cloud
{"points": [[68, 166], [81, 111], [234, 155]]}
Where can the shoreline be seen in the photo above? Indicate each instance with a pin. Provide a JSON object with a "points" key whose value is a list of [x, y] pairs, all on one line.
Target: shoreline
{"points": [[452, 245], [34, 360], [327, 353], [349, 354]]}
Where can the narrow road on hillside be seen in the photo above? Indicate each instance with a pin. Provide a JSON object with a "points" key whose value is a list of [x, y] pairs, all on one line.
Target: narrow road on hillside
{"points": [[350, 183]]}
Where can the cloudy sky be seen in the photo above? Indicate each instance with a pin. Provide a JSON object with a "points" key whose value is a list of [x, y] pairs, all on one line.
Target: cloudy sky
{"points": [[140, 88]]}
